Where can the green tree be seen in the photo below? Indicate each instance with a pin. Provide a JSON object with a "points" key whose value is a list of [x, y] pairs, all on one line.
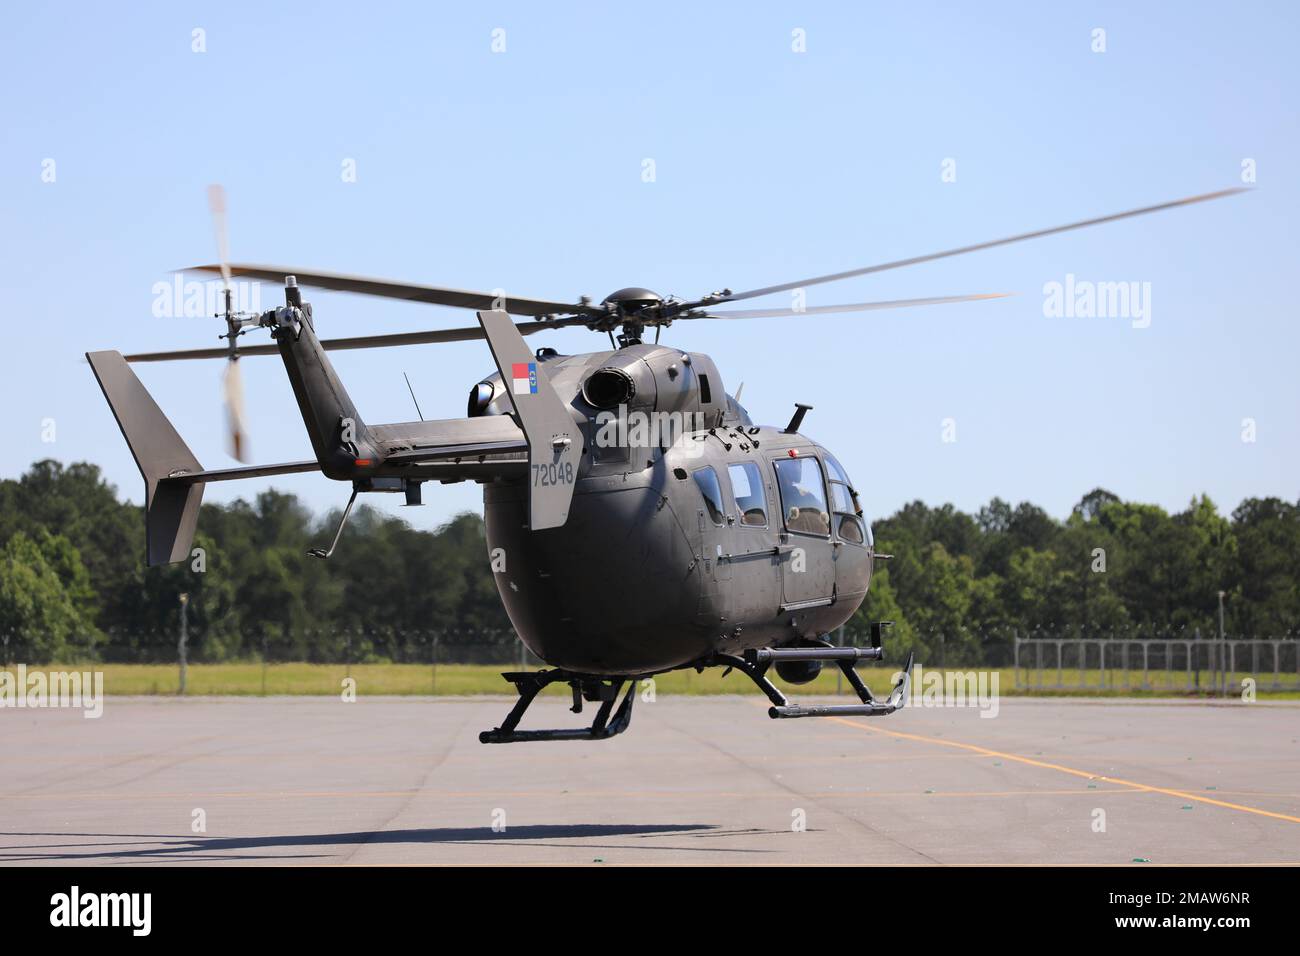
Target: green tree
{"points": [[881, 604], [1266, 595], [43, 590]]}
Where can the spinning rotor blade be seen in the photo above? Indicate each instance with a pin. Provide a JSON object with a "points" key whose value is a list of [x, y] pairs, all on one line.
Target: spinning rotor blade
{"points": [[232, 383], [915, 260], [357, 342], [217, 207], [236, 434], [850, 307], [437, 336], [386, 288]]}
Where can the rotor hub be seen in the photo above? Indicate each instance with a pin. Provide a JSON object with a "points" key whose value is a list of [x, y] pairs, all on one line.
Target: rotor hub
{"points": [[633, 299]]}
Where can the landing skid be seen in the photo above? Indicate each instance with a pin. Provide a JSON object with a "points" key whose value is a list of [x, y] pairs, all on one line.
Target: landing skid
{"points": [[585, 687], [755, 664]]}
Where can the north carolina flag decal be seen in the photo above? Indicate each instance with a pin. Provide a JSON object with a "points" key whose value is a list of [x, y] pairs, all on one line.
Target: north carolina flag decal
{"points": [[524, 375]]}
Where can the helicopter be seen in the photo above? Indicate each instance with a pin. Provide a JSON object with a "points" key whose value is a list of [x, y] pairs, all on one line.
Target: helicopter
{"points": [[637, 520]]}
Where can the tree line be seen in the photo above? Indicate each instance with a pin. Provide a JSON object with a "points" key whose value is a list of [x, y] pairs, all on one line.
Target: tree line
{"points": [[73, 585]]}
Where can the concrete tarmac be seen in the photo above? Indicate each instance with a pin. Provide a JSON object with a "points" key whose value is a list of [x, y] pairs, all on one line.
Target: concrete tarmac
{"points": [[695, 780]]}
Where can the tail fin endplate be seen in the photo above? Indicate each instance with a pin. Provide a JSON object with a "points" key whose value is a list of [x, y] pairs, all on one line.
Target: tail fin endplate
{"points": [[171, 507]]}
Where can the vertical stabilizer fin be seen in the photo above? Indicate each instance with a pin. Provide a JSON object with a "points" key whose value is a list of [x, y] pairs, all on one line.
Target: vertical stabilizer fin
{"points": [[554, 440], [171, 507]]}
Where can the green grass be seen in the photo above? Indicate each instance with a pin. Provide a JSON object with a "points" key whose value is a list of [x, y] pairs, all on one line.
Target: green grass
{"points": [[469, 679]]}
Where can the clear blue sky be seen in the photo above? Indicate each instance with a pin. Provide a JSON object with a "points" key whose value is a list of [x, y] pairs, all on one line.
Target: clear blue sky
{"points": [[523, 170]]}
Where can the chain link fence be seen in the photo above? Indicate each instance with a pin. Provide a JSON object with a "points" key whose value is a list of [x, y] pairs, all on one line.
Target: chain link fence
{"points": [[497, 647], [1066, 659]]}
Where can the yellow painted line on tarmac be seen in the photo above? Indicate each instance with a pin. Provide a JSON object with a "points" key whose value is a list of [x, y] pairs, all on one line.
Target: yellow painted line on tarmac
{"points": [[1030, 761]]}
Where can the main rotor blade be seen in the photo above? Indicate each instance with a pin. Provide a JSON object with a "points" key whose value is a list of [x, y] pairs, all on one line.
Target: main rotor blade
{"points": [[962, 250], [356, 342], [850, 307], [388, 289]]}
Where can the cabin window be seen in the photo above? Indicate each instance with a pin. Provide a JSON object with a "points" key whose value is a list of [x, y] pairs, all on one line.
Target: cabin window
{"points": [[803, 495], [844, 502], [706, 394], [747, 489], [711, 489]]}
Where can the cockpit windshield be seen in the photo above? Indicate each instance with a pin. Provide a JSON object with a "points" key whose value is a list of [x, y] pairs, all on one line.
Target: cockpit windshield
{"points": [[851, 524]]}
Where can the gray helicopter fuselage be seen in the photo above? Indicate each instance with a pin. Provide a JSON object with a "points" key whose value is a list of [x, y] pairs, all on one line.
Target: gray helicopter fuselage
{"points": [[687, 535]]}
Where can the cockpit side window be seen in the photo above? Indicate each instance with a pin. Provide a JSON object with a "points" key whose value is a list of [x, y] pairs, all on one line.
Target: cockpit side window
{"points": [[707, 480], [747, 488], [803, 495]]}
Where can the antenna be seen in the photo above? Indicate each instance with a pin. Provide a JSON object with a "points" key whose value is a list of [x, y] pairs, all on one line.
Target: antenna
{"points": [[800, 410], [413, 398]]}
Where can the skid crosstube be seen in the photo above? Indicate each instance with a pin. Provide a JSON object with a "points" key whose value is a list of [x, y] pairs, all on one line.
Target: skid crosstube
{"points": [[755, 663], [585, 687]]}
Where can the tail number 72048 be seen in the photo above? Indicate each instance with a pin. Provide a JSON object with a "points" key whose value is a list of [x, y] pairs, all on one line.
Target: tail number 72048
{"points": [[556, 473]]}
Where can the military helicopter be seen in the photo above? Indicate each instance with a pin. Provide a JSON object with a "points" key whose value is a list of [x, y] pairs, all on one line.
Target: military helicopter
{"points": [[638, 522]]}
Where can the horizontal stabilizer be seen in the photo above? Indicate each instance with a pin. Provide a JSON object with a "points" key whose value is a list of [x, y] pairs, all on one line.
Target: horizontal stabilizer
{"points": [[248, 471]]}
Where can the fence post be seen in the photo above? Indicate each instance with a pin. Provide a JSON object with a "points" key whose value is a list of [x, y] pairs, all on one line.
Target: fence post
{"points": [[1198, 661], [1015, 655], [1223, 656], [433, 656], [184, 639]]}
